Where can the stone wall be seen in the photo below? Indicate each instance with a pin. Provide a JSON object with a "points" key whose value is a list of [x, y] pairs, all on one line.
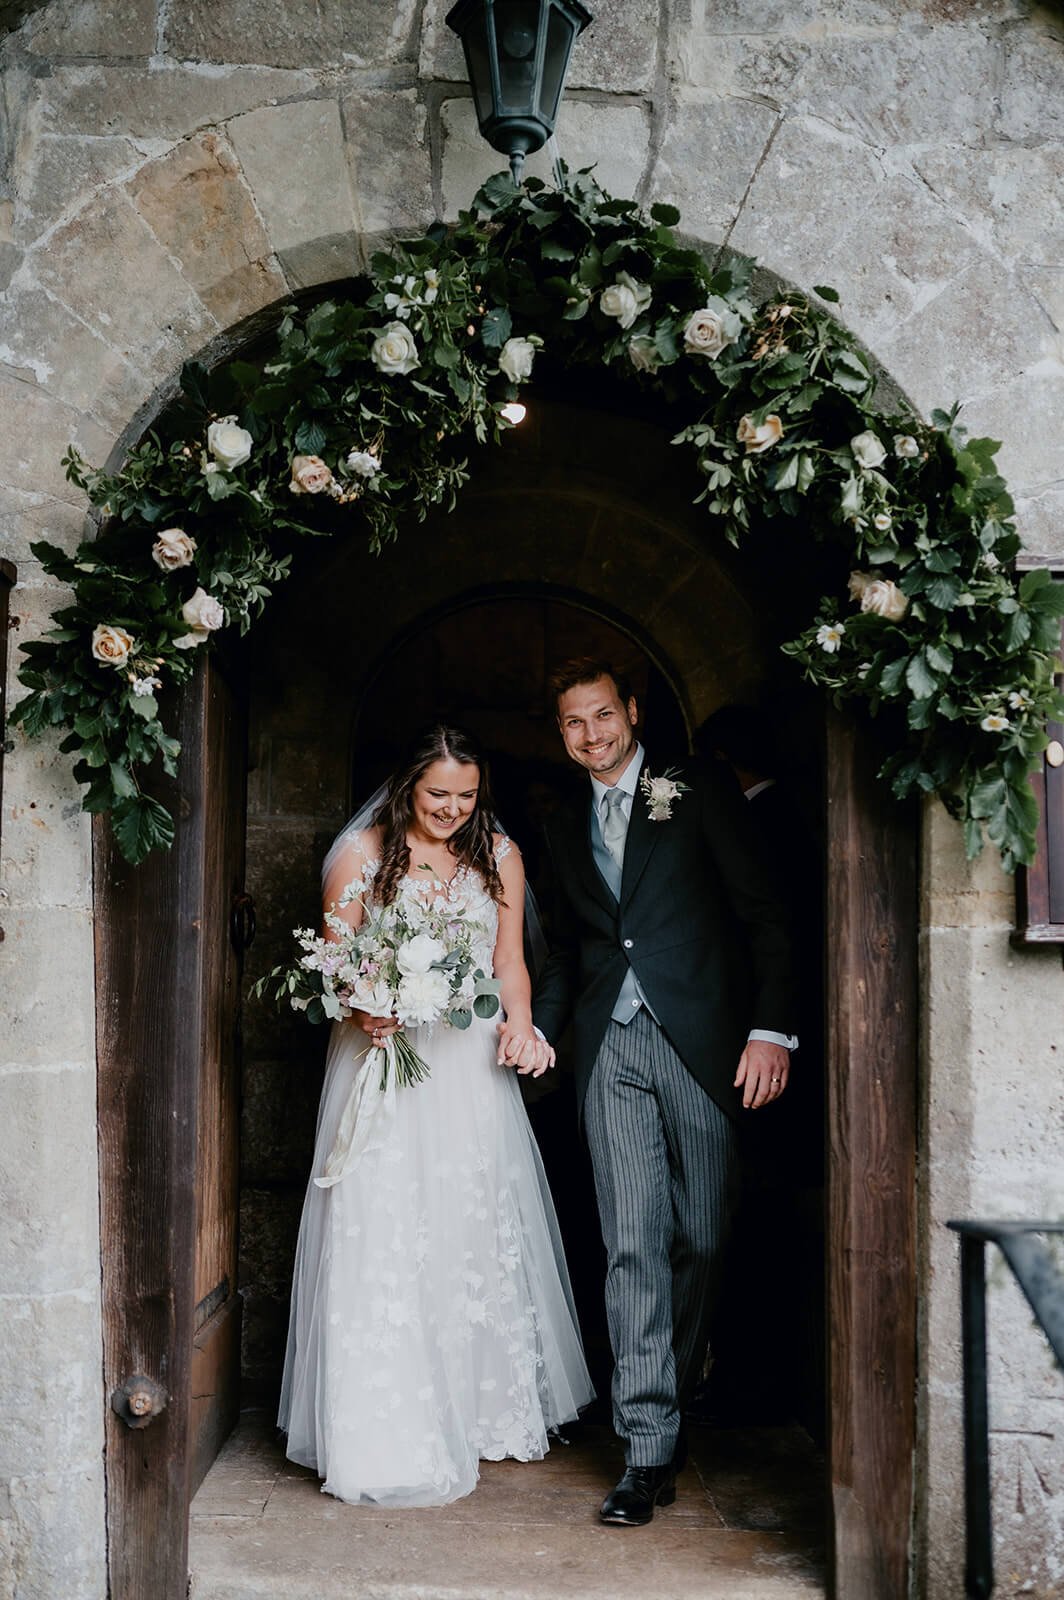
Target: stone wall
{"points": [[173, 167]]}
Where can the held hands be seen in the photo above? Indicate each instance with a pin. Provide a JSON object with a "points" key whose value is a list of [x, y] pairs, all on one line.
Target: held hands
{"points": [[378, 1028], [764, 1068], [521, 1049]]}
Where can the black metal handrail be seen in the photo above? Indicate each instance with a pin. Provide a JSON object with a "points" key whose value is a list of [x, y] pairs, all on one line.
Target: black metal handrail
{"points": [[1042, 1281]]}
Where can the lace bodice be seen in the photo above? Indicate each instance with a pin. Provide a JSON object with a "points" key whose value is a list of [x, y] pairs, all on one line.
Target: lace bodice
{"points": [[466, 888]]}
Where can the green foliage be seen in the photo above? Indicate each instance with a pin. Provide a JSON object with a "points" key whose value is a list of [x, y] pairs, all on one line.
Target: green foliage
{"points": [[414, 373]]}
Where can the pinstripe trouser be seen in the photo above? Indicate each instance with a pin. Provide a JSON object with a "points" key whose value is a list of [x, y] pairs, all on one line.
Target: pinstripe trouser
{"points": [[663, 1154]]}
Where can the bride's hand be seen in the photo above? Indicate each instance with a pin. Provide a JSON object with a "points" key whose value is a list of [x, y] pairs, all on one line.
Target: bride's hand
{"points": [[524, 1051], [378, 1028]]}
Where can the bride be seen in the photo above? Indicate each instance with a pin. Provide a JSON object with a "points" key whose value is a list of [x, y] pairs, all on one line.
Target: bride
{"points": [[432, 1322]]}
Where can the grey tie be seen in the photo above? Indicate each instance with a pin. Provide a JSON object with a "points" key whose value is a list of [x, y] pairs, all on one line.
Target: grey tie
{"points": [[615, 825]]}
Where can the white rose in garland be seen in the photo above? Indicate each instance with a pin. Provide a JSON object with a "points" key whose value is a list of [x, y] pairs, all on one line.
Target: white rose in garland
{"points": [[229, 444], [712, 329], [906, 448], [310, 475], [111, 644], [363, 463], [516, 358], [756, 437], [204, 615], [643, 353], [868, 450], [883, 597], [394, 352], [626, 299], [173, 549]]}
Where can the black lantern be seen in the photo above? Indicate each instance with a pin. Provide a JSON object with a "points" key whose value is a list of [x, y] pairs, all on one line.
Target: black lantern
{"points": [[517, 53]]}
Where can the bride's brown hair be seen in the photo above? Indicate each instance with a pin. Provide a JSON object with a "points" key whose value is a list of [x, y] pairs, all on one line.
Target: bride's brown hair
{"points": [[472, 846]]}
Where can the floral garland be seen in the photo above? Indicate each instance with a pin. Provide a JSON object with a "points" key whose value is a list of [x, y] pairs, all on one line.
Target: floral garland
{"points": [[367, 409]]}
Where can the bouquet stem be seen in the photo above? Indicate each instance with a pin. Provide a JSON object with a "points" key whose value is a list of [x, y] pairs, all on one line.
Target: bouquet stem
{"points": [[398, 1053]]}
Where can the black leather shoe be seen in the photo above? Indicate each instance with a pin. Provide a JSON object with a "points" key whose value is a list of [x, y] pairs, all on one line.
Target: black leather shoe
{"points": [[631, 1504]]}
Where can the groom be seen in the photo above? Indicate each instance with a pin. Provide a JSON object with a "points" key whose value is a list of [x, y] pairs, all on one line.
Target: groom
{"points": [[672, 958]]}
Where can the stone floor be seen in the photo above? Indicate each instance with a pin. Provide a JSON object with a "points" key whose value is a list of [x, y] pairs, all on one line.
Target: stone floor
{"points": [[747, 1525]]}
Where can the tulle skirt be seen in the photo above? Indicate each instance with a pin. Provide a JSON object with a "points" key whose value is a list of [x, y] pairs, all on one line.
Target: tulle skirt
{"points": [[432, 1320]]}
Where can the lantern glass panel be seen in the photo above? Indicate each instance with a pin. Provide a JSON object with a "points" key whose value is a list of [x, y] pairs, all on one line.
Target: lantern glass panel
{"points": [[561, 32], [516, 31], [478, 62]]}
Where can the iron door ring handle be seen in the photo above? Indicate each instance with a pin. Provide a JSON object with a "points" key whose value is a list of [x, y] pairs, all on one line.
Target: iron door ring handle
{"points": [[242, 923]]}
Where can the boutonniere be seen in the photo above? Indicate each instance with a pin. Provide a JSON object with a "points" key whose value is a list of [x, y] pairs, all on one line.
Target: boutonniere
{"points": [[661, 792]]}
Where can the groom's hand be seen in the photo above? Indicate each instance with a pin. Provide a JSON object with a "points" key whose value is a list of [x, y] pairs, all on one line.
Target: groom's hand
{"points": [[763, 1071], [524, 1051]]}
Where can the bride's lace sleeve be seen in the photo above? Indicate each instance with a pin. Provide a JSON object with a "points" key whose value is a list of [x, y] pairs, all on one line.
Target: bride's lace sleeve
{"points": [[503, 846], [348, 877]]}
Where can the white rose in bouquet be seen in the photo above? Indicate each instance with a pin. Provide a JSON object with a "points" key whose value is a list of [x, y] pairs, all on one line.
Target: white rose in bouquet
{"points": [[516, 358], [394, 351], [423, 997], [229, 444], [173, 549], [112, 645], [418, 954], [868, 449], [625, 298]]}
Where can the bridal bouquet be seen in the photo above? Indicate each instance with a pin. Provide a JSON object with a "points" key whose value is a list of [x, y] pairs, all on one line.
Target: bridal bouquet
{"points": [[414, 960]]}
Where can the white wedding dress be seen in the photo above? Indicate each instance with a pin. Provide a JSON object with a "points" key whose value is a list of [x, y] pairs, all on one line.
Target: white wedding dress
{"points": [[432, 1321]]}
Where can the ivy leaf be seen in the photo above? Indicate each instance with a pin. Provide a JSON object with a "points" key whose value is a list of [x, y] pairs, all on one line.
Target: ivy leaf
{"points": [[141, 825], [496, 328], [122, 781], [667, 215], [1017, 630], [920, 677], [555, 250], [944, 591], [194, 381], [849, 371], [309, 440], [826, 292]]}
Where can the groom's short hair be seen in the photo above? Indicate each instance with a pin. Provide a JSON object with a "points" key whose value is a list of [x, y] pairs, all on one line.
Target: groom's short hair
{"points": [[588, 669]]}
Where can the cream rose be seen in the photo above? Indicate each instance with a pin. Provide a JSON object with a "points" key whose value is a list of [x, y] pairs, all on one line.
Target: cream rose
{"points": [[204, 616], [310, 475], [516, 358], [711, 330], [883, 596], [172, 549], [756, 437], [229, 444], [643, 353], [394, 351], [626, 299], [111, 644], [868, 449]]}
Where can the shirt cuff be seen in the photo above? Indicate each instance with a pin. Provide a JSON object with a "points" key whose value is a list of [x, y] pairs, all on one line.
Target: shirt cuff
{"points": [[539, 1033], [789, 1041]]}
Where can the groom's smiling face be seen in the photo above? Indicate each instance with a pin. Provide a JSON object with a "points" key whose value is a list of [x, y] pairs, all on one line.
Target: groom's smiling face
{"points": [[598, 728]]}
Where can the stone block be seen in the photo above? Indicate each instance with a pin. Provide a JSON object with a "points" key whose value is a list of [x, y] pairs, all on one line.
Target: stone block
{"points": [[94, 28], [1031, 109], [331, 258], [165, 100], [54, 174], [50, 1380], [1031, 455], [109, 268], [614, 138], [1010, 198], [43, 344], [35, 430], [294, 159], [956, 892], [393, 196], [1040, 519], [56, 1534], [618, 52], [50, 1242], [197, 204], [46, 844], [708, 156], [26, 516], [46, 948], [291, 33]]}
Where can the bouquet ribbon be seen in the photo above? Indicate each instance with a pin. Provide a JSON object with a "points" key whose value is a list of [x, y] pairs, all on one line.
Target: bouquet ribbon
{"points": [[370, 1109]]}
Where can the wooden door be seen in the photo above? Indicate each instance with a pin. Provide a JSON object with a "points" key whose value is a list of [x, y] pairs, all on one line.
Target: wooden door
{"points": [[168, 991], [871, 1013]]}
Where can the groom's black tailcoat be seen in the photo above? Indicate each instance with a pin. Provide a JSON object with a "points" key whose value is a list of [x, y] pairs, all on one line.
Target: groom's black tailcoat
{"points": [[697, 919]]}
